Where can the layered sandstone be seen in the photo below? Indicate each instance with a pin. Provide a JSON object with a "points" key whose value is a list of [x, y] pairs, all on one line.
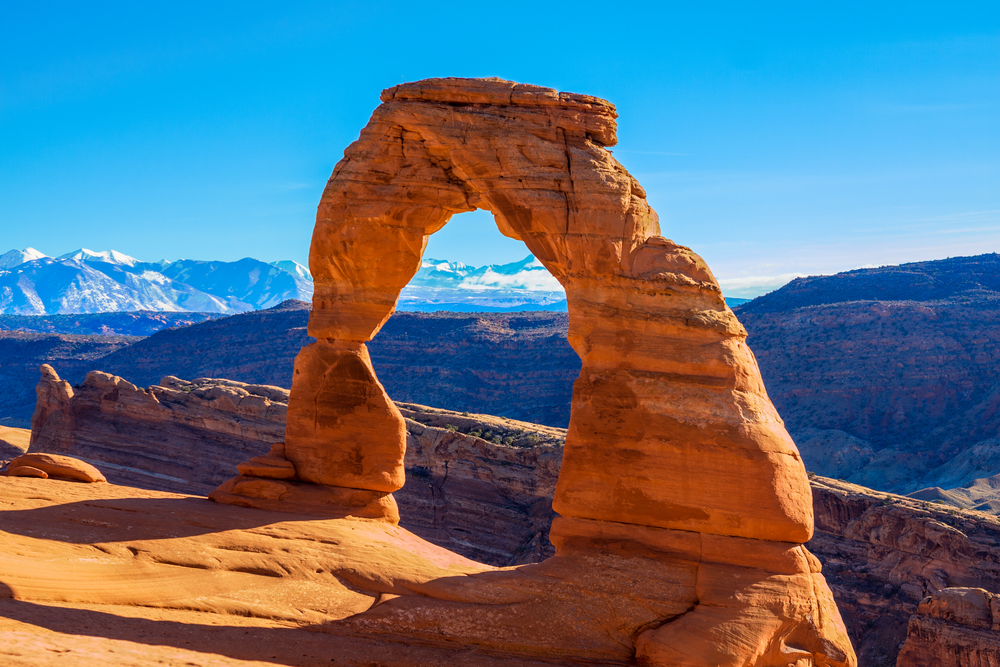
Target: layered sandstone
{"points": [[669, 414], [882, 554], [177, 435], [957, 627]]}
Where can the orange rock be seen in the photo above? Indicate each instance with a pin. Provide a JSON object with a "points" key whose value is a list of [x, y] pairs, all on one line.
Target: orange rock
{"points": [[59, 466], [349, 433], [267, 466], [955, 626], [52, 405], [26, 471], [670, 417], [309, 499]]}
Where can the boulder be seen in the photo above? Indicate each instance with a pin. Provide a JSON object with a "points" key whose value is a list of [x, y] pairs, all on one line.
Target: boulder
{"points": [[955, 626], [26, 471], [57, 466]]}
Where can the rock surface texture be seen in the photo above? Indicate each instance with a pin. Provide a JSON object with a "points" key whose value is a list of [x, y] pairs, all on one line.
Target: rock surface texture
{"points": [[957, 627], [669, 416], [177, 435]]}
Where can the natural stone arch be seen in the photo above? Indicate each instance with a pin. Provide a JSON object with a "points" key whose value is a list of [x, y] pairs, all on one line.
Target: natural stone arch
{"points": [[646, 316], [674, 448]]}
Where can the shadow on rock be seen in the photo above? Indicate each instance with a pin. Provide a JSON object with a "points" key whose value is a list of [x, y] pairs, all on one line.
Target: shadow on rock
{"points": [[121, 519]]}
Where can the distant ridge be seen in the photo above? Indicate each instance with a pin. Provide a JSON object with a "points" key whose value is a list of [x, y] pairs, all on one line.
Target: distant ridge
{"points": [[888, 377], [974, 276]]}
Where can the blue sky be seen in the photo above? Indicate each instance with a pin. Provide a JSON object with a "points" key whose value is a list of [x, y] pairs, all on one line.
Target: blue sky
{"points": [[771, 138]]}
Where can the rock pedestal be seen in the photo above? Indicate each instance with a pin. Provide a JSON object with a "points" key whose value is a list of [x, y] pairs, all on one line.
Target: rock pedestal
{"points": [[679, 484]]}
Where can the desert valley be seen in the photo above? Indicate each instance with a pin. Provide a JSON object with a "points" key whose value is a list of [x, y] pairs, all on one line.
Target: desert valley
{"points": [[593, 455]]}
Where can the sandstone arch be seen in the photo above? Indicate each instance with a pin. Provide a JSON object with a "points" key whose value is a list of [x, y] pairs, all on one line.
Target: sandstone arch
{"points": [[673, 443]]}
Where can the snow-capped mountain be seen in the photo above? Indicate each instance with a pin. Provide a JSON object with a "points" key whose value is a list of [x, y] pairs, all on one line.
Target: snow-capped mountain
{"points": [[17, 257], [88, 281], [444, 285], [105, 256], [85, 281]]}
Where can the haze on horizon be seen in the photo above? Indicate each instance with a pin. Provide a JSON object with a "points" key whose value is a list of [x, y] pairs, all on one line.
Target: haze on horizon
{"points": [[774, 141]]}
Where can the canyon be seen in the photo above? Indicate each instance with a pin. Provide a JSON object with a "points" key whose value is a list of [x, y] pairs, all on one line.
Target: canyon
{"points": [[631, 537]]}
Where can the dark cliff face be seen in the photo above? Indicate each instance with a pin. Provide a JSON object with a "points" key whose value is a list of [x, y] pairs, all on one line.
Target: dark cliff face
{"points": [[516, 365], [905, 358], [139, 323]]}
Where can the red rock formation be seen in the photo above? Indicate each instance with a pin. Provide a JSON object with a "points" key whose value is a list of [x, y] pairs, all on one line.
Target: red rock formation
{"points": [[957, 627], [669, 420], [177, 435], [37, 464]]}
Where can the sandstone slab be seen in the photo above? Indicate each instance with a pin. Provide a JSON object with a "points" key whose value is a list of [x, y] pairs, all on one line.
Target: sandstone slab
{"points": [[26, 471], [58, 466]]}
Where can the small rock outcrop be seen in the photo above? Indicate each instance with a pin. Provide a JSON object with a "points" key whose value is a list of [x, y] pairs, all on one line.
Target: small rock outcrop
{"points": [[41, 465], [669, 414], [177, 435], [957, 627]]}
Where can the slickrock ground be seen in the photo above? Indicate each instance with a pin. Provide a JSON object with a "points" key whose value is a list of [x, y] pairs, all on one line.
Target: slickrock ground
{"points": [[97, 574], [13, 442]]}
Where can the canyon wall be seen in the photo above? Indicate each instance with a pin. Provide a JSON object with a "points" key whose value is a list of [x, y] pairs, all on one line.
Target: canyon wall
{"points": [[956, 626], [887, 377]]}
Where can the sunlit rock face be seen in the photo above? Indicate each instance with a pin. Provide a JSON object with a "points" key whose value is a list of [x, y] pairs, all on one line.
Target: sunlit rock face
{"points": [[683, 502]]}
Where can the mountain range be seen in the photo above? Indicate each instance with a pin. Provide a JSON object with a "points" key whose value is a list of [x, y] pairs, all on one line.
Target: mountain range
{"points": [[85, 281]]}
